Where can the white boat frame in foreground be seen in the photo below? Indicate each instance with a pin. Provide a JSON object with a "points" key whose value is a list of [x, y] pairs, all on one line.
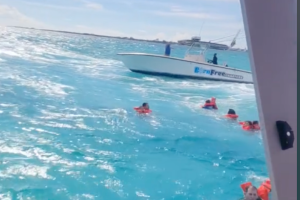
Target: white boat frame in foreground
{"points": [[272, 41], [192, 66]]}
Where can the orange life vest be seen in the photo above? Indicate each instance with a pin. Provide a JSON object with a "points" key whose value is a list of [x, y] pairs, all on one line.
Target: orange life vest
{"points": [[245, 126], [263, 190], [232, 116], [211, 104], [256, 127], [142, 111]]}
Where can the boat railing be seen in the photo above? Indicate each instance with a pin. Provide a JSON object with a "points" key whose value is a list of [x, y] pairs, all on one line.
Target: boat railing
{"points": [[198, 55]]}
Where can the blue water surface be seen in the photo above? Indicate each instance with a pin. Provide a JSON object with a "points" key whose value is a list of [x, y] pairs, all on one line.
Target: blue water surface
{"points": [[69, 131]]}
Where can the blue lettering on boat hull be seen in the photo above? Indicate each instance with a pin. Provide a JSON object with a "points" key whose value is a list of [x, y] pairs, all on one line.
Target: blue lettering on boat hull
{"points": [[189, 76], [212, 72]]}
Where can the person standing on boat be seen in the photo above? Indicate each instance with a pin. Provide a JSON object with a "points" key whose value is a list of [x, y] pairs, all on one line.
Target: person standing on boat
{"points": [[168, 50], [215, 59]]}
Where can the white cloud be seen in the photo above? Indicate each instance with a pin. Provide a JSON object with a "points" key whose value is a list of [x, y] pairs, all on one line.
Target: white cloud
{"points": [[94, 6], [187, 15], [86, 5], [91, 5], [10, 16], [53, 6], [226, 1], [234, 1], [177, 11]]}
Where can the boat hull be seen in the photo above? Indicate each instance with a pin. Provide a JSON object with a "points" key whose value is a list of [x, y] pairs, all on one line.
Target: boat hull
{"points": [[180, 68]]}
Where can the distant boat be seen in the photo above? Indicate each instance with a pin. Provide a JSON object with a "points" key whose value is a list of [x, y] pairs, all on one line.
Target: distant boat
{"points": [[192, 66], [238, 49], [214, 45], [211, 45]]}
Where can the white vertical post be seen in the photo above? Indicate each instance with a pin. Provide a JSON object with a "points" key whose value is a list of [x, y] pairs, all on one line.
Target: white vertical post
{"points": [[271, 30]]}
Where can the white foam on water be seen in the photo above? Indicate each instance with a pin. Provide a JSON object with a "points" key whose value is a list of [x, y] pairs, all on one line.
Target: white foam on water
{"points": [[26, 170], [89, 158], [15, 150], [41, 85], [115, 185], [6, 196], [251, 176], [107, 167], [88, 196], [83, 196], [141, 194], [106, 141]]}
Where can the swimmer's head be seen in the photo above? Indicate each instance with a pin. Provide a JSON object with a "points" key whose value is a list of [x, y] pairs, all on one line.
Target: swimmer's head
{"points": [[231, 112], [247, 123], [255, 125], [251, 193], [146, 105], [207, 101]]}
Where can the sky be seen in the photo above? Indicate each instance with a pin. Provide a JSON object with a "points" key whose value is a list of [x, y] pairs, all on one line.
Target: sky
{"points": [[170, 20]]}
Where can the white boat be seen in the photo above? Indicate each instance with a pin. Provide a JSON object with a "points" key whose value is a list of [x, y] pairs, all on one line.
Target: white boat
{"points": [[192, 66], [238, 49]]}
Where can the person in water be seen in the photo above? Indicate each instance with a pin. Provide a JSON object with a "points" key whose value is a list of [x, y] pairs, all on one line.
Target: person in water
{"points": [[168, 50], [144, 107], [231, 112], [255, 125], [251, 193], [210, 103], [215, 59], [248, 124]]}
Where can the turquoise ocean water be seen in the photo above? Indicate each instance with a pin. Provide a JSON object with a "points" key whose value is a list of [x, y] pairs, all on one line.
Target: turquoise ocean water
{"points": [[68, 129]]}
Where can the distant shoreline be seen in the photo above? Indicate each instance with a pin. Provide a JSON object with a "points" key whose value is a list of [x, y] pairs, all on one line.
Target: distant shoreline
{"points": [[118, 37], [96, 35]]}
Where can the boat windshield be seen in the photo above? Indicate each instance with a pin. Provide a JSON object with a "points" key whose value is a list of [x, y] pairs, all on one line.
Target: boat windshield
{"points": [[196, 52]]}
